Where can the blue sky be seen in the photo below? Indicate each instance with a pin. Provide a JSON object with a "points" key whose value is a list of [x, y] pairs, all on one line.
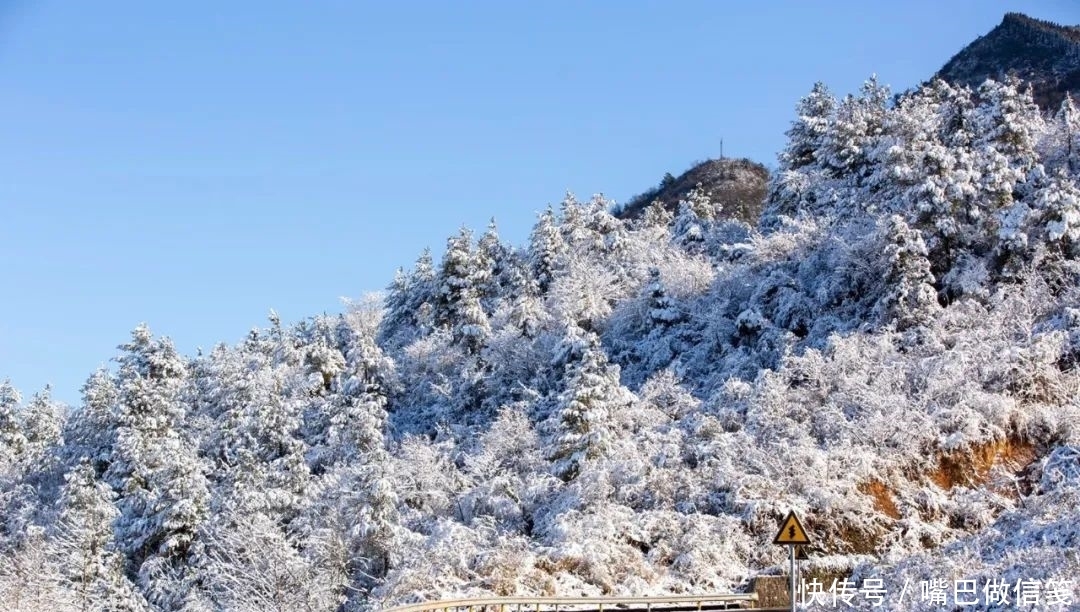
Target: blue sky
{"points": [[193, 165]]}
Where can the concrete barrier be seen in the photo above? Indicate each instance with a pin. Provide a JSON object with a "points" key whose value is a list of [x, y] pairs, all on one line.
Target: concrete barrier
{"points": [[673, 603]]}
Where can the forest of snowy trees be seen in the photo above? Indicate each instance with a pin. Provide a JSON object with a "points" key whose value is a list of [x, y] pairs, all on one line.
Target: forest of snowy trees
{"points": [[618, 406]]}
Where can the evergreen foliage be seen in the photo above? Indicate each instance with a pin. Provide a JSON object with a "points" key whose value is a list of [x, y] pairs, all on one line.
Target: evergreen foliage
{"points": [[620, 406]]}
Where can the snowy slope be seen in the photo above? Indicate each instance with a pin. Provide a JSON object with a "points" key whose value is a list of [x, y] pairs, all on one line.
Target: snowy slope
{"points": [[618, 406]]}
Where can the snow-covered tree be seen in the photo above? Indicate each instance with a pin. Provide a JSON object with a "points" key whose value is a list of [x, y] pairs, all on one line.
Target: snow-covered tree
{"points": [[546, 249], [573, 222], [410, 300], [42, 424], [853, 132], [527, 312], [459, 307], [586, 410], [494, 262], [323, 358], [163, 494], [93, 567], [806, 135], [1009, 123], [1061, 146], [609, 233], [353, 517], [912, 146], [656, 215], [694, 219], [90, 432], [663, 310], [358, 422], [910, 297], [1058, 203], [12, 439], [255, 566], [257, 442]]}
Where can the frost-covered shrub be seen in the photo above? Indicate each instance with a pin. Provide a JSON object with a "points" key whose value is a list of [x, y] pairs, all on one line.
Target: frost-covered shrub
{"points": [[1060, 468]]}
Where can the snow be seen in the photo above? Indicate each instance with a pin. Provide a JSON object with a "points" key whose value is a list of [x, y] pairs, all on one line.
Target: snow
{"points": [[618, 407]]}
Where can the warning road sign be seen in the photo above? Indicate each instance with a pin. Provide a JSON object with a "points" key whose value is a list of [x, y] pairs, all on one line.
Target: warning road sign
{"points": [[792, 531]]}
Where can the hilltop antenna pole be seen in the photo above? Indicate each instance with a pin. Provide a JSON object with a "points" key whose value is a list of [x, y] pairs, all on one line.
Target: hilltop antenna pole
{"points": [[721, 149]]}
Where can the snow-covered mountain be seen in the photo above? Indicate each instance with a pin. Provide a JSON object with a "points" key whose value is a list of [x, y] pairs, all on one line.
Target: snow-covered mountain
{"points": [[619, 406]]}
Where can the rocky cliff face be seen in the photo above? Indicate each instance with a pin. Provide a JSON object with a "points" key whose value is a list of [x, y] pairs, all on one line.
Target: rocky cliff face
{"points": [[1043, 53]]}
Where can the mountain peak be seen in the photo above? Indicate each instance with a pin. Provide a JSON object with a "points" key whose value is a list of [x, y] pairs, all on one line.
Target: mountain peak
{"points": [[1044, 53], [1033, 23], [737, 185]]}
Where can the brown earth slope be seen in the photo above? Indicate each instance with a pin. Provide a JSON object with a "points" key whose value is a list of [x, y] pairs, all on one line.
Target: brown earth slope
{"points": [[737, 185]]}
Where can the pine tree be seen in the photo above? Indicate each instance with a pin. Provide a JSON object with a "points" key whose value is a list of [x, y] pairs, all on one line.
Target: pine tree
{"points": [[656, 215], [398, 310], [492, 263], [12, 439], [163, 494], [258, 442], [323, 361], [572, 346], [458, 307], [936, 169], [695, 217], [849, 138], [572, 224], [255, 565], [663, 311], [378, 522], [1009, 121], [959, 115], [91, 431], [357, 426], [910, 298], [547, 249], [796, 187], [410, 301], [354, 516], [610, 237], [807, 133], [1059, 205], [83, 541], [1064, 138], [912, 139], [527, 313], [42, 424], [1008, 126], [587, 410]]}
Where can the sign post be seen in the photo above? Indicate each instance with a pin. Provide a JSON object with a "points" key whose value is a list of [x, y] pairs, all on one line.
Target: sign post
{"points": [[792, 534], [800, 556]]}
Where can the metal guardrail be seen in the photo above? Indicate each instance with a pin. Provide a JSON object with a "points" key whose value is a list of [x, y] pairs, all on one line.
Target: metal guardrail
{"points": [[674, 603]]}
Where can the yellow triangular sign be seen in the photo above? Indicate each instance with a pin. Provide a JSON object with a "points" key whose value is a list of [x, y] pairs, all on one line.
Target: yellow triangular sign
{"points": [[792, 531]]}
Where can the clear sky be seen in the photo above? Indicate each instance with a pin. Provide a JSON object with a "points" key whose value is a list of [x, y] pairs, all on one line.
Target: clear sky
{"points": [[195, 164]]}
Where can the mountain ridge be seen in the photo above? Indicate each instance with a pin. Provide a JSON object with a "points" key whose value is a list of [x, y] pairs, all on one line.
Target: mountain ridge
{"points": [[1042, 53]]}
